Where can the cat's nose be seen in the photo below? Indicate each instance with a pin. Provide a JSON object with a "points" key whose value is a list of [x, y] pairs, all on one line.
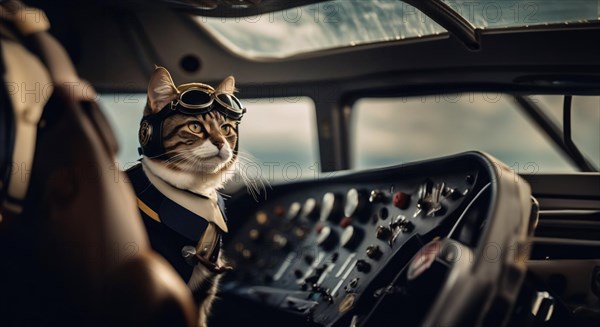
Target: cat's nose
{"points": [[218, 143]]}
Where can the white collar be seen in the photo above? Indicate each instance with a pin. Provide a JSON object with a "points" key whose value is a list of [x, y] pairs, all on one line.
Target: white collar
{"points": [[202, 205]]}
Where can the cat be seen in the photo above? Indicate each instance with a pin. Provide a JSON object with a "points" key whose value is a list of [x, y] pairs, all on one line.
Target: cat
{"points": [[177, 185]]}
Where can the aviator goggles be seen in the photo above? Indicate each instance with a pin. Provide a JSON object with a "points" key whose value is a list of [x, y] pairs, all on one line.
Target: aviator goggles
{"points": [[202, 98]]}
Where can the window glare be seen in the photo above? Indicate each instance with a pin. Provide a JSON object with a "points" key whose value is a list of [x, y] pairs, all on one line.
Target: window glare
{"points": [[326, 25]]}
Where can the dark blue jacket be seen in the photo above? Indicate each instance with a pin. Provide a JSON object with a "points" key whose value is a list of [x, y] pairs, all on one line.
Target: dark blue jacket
{"points": [[178, 227]]}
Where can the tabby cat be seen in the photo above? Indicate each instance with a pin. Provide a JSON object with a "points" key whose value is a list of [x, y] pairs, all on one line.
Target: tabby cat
{"points": [[189, 141]]}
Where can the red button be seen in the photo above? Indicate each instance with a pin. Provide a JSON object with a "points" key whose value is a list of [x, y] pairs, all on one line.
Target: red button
{"points": [[345, 222], [401, 200], [319, 228], [279, 211]]}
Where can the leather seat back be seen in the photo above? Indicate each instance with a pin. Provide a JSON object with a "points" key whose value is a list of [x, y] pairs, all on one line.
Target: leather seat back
{"points": [[75, 253]]}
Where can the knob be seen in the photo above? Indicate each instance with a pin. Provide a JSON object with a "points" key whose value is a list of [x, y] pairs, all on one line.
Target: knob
{"points": [[279, 211], [377, 196], [326, 237], [363, 266], [383, 233], [330, 207], [299, 233], [451, 193], [261, 217], [254, 235], [279, 241], [401, 200], [351, 237], [247, 254], [402, 223], [294, 210], [310, 209], [355, 202], [373, 252]]}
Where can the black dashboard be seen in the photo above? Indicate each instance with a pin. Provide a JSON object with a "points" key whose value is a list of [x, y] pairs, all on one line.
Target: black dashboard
{"points": [[435, 242]]}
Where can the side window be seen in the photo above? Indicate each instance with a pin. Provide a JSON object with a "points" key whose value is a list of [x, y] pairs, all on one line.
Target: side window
{"points": [[585, 122], [278, 138], [585, 119], [399, 130], [124, 112]]}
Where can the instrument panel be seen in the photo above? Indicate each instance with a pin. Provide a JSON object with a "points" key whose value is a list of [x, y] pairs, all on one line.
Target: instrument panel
{"points": [[328, 250]]}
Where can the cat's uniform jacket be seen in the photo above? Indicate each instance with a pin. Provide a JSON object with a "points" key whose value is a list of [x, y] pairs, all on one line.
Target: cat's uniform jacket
{"points": [[171, 227]]}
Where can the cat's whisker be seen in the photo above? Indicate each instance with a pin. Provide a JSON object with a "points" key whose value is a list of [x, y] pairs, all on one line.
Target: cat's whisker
{"points": [[177, 159], [176, 162], [256, 185], [156, 157], [181, 153]]}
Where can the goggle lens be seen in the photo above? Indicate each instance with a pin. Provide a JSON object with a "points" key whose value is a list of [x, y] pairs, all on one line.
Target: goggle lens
{"points": [[230, 101], [196, 100]]}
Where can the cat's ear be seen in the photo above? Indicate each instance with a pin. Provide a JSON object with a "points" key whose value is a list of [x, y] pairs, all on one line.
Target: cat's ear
{"points": [[161, 90], [227, 86]]}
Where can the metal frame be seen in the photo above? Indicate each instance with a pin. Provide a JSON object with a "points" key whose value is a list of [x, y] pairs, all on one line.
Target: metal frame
{"points": [[558, 137], [449, 19], [572, 149]]}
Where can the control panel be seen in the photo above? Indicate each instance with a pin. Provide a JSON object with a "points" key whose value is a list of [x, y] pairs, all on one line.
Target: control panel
{"points": [[320, 248]]}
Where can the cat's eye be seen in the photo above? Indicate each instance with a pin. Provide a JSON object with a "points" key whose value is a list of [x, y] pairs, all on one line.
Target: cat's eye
{"points": [[226, 129], [195, 127]]}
